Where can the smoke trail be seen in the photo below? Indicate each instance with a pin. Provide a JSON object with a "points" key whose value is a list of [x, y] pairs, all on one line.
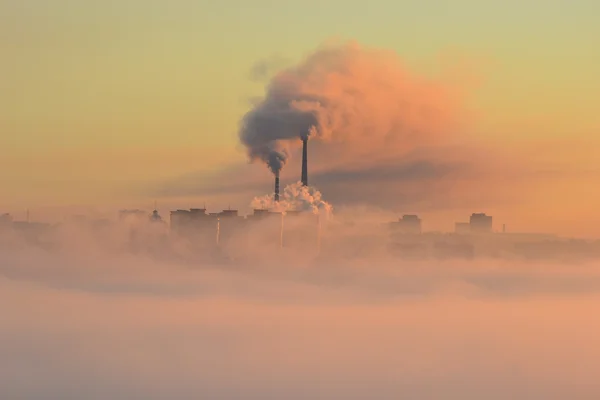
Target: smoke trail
{"points": [[296, 197], [347, 95]]}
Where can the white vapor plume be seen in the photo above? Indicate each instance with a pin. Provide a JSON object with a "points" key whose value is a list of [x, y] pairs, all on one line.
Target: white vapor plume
{"points": [[295, 197]]}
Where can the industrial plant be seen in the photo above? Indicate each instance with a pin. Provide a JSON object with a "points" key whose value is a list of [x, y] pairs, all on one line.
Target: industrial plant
{"points": [[309, 232]]}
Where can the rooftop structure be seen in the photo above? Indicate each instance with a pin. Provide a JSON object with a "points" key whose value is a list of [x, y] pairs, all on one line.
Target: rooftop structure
{"points": [[480, 223], [228, 213], [409, 224]]}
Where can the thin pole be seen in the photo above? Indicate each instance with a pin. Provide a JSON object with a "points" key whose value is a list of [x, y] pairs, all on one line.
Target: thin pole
{"points": [[281, 232], [318, 234], [218, 230]]}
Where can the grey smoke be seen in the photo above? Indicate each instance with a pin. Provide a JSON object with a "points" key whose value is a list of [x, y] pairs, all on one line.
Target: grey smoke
{"points": [[342, 185], [272, 121], [350, 97]]}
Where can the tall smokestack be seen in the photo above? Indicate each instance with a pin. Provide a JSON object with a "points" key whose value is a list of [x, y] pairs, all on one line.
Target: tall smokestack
{"points": [[276, 187], [304, 161]]}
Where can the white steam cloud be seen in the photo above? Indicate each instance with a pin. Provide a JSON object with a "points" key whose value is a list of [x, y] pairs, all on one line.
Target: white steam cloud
{"points": [[295, 197]]}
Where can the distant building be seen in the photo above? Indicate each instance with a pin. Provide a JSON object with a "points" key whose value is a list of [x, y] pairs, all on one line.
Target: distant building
{"points": [[197, 220], [409, 224], [155, 217], [480, 223], [180, 220], [5, 219], [462, 227], [32, 231], [262, 213], [196, 213], [229, 214]]}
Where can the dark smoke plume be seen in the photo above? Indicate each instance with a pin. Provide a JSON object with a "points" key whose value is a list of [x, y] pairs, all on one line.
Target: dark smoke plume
{"points": [[359, 98]]}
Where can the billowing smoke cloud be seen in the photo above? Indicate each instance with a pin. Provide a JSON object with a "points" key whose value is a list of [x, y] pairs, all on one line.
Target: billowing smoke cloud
{"points": [[296, 197], [350, 96]]}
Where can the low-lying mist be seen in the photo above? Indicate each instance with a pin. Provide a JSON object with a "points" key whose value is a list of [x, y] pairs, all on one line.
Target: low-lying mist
{"points": [[114, 313]]}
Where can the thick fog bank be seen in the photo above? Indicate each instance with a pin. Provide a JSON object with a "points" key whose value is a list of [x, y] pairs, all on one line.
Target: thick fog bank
{"points": [[87, 322]]}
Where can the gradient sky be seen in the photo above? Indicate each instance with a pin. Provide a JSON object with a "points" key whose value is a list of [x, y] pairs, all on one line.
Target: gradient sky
{"points": [[98, 97]]}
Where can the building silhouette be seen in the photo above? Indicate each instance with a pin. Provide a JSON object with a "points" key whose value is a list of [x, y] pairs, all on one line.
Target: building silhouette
{"points": [[408, 224], [462, 227], [155, 217], [197, 221], [186, 221], [5, 219], [480, 223]]}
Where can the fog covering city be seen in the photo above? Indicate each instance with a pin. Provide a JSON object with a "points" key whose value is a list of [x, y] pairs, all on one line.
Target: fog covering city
{"points": [[127, 309], [306, 297]]}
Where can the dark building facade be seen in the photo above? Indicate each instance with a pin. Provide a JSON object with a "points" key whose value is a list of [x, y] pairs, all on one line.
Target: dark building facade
{"points": [[408, 224], [480, 223]]}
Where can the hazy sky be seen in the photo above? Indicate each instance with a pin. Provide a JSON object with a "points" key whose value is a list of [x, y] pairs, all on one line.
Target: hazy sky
{"points": [[97, 97]]}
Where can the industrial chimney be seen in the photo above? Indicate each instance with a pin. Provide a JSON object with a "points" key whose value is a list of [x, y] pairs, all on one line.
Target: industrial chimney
{"points": [[276, 187], [304, 160]]}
